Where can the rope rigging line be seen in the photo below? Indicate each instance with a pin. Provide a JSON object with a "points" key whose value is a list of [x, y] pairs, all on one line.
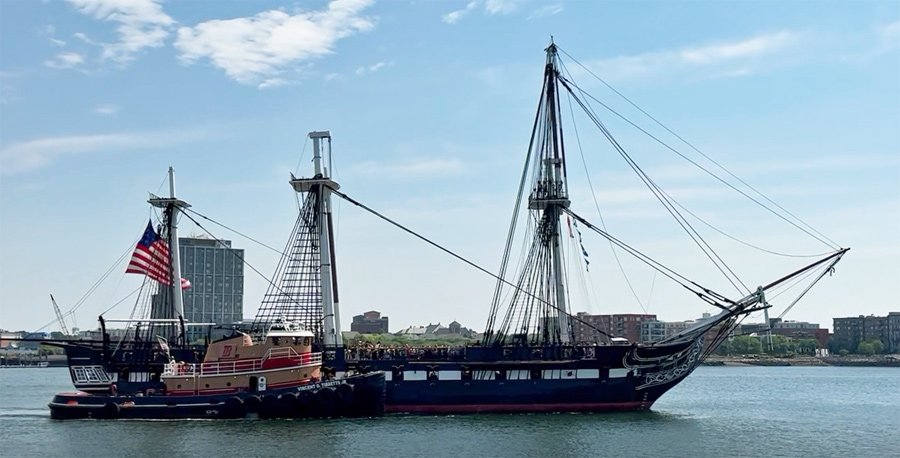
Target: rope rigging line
{"points": [[254, 269], [661, 268], [803, 293], [229, 229], [302, 153], [707, 171], [748, 244], [458, 257], [707, 250], [121, 300], [87, 294], [829, 242], [597, 206], [495, 300], [299, 273]]}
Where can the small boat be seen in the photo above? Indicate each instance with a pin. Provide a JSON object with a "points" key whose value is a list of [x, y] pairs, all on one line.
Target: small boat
{"points": [[280, 377], [153, 373]]}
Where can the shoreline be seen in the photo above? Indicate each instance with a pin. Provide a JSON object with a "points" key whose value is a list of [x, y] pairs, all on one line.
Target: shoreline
{"points": [[853, 361]]}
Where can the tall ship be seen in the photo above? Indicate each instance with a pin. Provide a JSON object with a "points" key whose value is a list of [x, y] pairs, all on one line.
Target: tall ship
{"points": [[529, 359]]}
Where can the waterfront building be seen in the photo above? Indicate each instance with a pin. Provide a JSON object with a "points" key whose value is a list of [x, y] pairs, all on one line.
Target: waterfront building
{"points": [[9, 340], [216, 273], [626, 325], [437, 331], [801, 330], [893, 332], [95, 334], [652, 331], [850, 331], [370, 322]]}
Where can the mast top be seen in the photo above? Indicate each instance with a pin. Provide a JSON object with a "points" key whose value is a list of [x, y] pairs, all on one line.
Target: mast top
{"points": [[322, 173], [164, 202]]}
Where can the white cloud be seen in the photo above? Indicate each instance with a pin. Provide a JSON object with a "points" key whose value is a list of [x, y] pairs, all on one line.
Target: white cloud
{"points": [[271, 83], [758, 45], [373, 68], [49, 31], [106, 109], [546, 10], [454, 16], [259, 48], [490, 7], [418, 168], [736, 58], [65, 60], [141, 24], [500, 6], [30, 155], [889, 37], [891, 32]]}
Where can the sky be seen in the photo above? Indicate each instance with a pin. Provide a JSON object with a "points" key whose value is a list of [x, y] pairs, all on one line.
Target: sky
{"points": [[430, 105]]}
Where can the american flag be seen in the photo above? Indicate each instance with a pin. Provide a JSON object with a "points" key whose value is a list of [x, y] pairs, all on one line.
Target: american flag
{"points": [[151, 258]]}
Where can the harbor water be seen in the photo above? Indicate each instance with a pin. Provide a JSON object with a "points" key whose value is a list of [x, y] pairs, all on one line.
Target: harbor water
{"points": [[716, 412]]}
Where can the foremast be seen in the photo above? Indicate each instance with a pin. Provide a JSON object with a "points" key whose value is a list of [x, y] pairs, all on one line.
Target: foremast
{"points": [[171, 207], [322, 184]]}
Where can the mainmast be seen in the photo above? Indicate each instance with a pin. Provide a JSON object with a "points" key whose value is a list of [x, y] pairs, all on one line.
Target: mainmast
{"points": [[322, 184], [537, 308], [550, 194]]}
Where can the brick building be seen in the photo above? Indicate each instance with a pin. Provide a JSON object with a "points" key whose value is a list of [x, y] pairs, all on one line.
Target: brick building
{"points": [[370, 322], [801, 330], [850, 331], [626, 325], [893, 332]]}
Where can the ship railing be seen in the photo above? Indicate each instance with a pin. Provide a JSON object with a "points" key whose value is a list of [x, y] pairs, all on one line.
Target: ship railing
{"points": [[461, 353], [230, 367], [242, 365], [281, 353]]}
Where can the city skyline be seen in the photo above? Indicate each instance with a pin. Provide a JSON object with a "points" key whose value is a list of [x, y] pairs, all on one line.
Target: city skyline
{"points": [[430, 105]]}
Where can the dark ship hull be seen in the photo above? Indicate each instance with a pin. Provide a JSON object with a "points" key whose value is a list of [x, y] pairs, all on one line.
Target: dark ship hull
{"points": [[565, 379], [355, 396]]}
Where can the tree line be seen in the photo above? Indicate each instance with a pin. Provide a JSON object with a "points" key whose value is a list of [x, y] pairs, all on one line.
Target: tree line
{"points": [[782, 346]]}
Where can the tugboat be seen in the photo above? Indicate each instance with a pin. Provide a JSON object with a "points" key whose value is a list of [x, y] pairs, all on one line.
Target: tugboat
{"points": [[153, 373], [280, 377]]}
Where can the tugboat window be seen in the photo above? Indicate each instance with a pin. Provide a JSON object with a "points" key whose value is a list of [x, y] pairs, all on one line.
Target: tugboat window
{"points": [[500, 374], [536, 374]]}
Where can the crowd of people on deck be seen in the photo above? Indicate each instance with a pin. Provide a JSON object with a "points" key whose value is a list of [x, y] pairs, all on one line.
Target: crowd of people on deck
{"points": [[379, 351]]}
